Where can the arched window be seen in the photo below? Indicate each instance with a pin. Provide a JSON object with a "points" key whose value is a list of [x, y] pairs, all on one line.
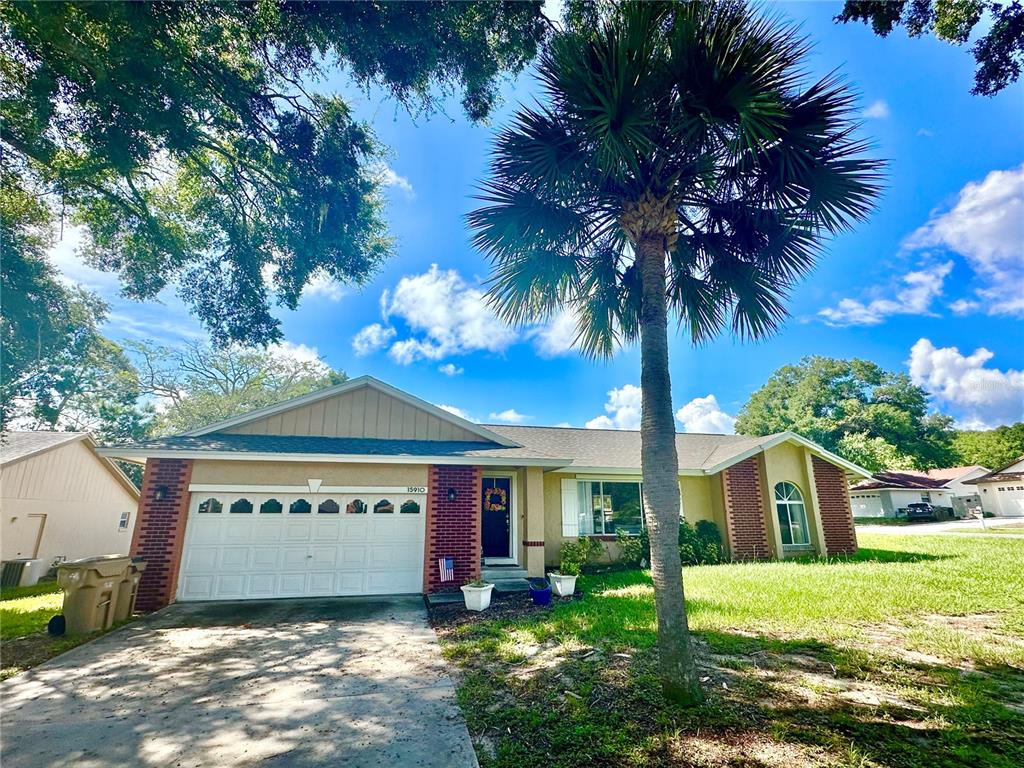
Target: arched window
{"points": [[789, 504], [271, 507], [241, 507], [383, 507], [210, 507], [409, 508], [328, 507], [356, 507], [300, 507]]}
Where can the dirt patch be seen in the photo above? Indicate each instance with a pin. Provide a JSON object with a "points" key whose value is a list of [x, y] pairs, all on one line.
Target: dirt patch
{"points": [[448, 617]]}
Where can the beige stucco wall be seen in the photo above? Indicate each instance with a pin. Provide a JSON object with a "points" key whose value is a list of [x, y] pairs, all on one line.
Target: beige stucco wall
{"points": [[363, 412], [81, 499], [297, 473]]}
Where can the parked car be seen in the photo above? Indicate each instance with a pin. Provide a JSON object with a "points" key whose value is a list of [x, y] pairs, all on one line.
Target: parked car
{"points": [[921, 510]]}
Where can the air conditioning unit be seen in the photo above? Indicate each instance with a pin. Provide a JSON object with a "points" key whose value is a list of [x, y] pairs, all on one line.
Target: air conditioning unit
{"points": [[23, 572]]}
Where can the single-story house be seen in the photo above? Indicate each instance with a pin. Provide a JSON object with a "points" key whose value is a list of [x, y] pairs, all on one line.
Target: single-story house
{"points": [[886, 492], [1002, 489], [60, 500], [362, 488]]}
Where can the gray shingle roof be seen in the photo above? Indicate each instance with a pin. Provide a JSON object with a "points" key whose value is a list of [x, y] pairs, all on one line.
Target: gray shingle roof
{"points": [[605, 448], [18, 445], [620, 449]]}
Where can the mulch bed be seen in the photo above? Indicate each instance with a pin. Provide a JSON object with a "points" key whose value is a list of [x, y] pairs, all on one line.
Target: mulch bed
{"points": [[446, 617]]}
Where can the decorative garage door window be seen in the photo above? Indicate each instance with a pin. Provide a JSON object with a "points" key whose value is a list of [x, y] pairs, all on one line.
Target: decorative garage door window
{"points": [[241, 506], [410, 508], [328, 507], [300, 507], [383, 507], [210, 507], [271, 507], [789, 503], [356, 507]]}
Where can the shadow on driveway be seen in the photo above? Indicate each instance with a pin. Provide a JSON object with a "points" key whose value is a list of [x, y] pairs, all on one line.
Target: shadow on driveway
{"points": [[311, 682]]}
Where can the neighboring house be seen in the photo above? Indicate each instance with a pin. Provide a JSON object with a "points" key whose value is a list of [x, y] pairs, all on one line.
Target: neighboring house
{"points": [[1002, 490], [887, 492], [362, 488], [59, 500]]}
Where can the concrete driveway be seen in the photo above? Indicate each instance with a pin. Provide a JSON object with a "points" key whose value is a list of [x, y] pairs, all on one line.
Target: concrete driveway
{"points": [[313, 682], [973, 526]]}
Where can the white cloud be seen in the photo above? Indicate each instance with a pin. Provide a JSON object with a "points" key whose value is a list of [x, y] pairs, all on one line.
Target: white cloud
{"points": [[984, 397], [877, 110], [927, 133], [372, 338], [920, 288], [986, 227], [298, 352], [323, 285], [446, 315], [556, 336], [563, 424], [703, 414], [389, 178], [455, 410], [508, 416], [622, 409], [450, 369]]}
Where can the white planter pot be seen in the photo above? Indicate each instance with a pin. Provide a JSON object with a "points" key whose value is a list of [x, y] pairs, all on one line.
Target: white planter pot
{"points": [[562, 585], [477, 598]]}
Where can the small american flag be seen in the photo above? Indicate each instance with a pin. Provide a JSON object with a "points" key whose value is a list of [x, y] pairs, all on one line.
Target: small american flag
{"points": [[446, 565]]}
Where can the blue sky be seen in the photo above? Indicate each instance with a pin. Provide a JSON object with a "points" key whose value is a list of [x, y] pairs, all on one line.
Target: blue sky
{"points": [[932, 284]]}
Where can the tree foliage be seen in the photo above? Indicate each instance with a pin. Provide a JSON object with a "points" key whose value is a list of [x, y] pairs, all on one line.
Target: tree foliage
{"points": [[680, 164], [992, 448], [196, 385], [189, 138], [999, 52], [873, 417]]}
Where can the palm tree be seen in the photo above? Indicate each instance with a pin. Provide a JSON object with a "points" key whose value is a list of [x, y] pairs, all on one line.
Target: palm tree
{"points": [[681, 163]]}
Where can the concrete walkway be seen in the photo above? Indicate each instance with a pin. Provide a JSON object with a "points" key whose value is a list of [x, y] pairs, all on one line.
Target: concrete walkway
{"points": [[313, 682]]}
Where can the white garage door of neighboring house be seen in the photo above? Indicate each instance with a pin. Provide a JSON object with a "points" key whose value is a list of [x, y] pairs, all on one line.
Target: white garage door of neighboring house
{"points": [[242, 545]]}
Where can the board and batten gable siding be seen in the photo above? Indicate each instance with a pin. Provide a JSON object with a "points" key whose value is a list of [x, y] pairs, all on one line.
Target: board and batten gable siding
{"points": [[81, 498], [293, 473], [362, 412]]}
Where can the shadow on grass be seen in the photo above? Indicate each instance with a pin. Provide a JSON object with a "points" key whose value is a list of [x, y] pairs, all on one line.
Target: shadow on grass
{"points": [[770, 701]]}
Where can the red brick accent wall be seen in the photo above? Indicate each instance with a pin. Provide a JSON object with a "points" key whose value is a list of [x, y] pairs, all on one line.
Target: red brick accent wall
{"points": [[453, 527], [160, 530], [744, 511], [834, 507]]}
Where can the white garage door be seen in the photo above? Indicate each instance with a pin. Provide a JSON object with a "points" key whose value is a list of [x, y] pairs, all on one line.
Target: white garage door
{"points": [[243, 545]]}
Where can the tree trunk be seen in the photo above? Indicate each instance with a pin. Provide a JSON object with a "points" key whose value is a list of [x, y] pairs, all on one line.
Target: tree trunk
{"points": [[660, 465]]}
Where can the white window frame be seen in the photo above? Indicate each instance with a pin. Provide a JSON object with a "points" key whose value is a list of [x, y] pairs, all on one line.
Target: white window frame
{"points": [[588, 513], [789, 504], [123, 521]]}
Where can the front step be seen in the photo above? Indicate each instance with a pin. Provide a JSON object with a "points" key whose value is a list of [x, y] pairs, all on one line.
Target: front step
{"points": [[511, 585], [495, 573]]}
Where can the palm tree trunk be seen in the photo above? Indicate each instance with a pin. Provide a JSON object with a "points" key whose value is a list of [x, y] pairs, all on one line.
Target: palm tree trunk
{"points": [[660, 465]]}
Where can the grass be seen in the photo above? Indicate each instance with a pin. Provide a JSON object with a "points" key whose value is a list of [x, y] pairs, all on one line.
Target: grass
{"points": [[881, 521], [24, 614], [909, 654]]}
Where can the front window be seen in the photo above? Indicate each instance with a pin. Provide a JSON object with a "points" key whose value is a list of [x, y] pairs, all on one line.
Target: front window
{"points": [[608, 507], [122, 524], [789, 503]]}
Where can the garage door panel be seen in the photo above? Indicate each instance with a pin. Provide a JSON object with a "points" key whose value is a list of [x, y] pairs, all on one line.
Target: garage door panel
{"points": [[234, 558], [284, 554]]}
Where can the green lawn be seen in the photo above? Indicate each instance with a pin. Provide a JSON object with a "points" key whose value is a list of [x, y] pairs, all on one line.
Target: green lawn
{"points": [[909, 654], [24, 613]]}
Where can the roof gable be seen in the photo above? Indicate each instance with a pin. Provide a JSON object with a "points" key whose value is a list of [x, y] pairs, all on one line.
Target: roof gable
{"points": [[19, 446], [361, 408]]}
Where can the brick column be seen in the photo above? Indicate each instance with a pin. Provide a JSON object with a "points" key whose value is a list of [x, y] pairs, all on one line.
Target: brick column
{"points": [[744, 511], [160, 529], [836, 517], [453, 527]]}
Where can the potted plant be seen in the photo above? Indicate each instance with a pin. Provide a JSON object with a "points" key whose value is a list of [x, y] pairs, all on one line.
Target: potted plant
{"points": [[540, 591], [573, 556], [477, 594]]}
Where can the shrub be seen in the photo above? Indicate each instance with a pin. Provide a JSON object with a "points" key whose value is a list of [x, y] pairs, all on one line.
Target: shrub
{"points": [[574, 555], [698, 545]]}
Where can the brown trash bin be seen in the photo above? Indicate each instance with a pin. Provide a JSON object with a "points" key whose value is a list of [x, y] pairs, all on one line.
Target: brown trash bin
{"points": [[91, 587], [128, 589]]}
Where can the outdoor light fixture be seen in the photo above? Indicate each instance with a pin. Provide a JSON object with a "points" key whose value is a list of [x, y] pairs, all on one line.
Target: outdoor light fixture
{"points": [[452, 494], [161, 493]]}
